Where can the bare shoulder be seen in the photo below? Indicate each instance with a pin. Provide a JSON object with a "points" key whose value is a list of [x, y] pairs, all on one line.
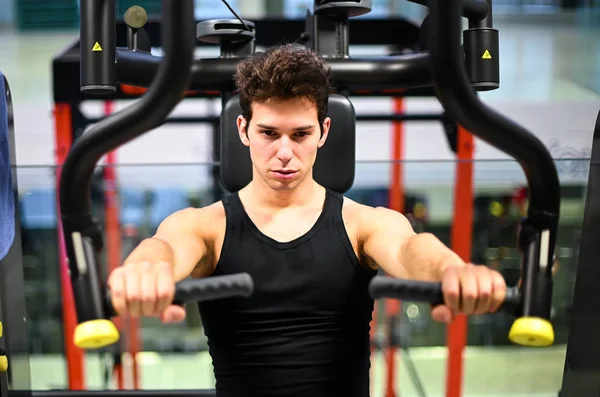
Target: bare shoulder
{"points": [[367, 219], [212, 213], [367, 213], [195, 233], [193, 219]]}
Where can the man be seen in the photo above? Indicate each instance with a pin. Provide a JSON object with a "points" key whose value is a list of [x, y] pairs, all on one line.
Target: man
{"points": [[311, 252]]}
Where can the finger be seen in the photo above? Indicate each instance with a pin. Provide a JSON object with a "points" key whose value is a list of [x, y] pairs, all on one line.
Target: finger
{"points": [[132, 291], [116, 285], [484, 288], [442, 314], [148, 290], [498, 291], [451, 290], [468, 290], [165, 287], [173, 314]]}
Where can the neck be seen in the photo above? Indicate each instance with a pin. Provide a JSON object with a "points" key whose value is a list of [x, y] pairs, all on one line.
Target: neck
{"points": [[302, 195]]}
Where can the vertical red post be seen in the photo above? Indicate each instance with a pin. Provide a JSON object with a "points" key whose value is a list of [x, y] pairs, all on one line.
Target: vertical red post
{"points": [[396, 198], [114, 251], [462, 235], [63, 132]]}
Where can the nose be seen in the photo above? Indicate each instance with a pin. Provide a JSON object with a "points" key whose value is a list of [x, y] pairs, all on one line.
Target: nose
{"points": [[285, 152]]}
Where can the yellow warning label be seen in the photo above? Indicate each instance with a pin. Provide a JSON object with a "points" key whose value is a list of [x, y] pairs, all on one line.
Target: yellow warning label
{"points": [[486, 55], [97, 47]]}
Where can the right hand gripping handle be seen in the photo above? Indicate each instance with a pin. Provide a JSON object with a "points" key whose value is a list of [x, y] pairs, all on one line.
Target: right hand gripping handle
{"points": [[204, 289]]}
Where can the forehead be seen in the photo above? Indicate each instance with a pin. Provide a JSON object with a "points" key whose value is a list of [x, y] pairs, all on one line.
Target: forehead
{"points": [[280, 109]]}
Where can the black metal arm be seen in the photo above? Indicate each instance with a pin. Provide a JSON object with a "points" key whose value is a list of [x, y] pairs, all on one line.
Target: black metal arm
{"points": [[81, 231], [538, 231], [406, 71]]}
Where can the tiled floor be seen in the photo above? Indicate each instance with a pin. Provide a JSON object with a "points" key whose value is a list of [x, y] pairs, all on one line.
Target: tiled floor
{"points": [[512, 372]]}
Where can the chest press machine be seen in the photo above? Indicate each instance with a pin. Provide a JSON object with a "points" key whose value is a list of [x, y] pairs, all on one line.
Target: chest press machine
{"points": [[454, 71]]}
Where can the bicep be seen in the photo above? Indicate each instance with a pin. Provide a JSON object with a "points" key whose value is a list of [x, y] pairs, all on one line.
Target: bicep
{"points": [[385, 232], [180, 230]]}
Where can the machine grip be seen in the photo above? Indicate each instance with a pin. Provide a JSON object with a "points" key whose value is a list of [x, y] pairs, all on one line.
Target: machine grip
{"points": [[218, 287], [407, 290], [421, 291]]}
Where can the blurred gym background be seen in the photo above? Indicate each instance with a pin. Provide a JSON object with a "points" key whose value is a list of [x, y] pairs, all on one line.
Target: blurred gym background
{"points": [[549, 82]]}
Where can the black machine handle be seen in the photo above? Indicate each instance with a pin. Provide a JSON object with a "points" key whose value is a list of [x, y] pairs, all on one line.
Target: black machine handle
{"points": [[537, 235], [81, 231], [422, 291], [205, 289]]}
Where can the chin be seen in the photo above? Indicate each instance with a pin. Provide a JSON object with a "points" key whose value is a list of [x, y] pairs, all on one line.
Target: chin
{"points": [[283, 185]]}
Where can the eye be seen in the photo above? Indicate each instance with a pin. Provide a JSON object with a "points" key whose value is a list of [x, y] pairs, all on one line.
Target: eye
{"points": [[267, 133], [302, 134]]}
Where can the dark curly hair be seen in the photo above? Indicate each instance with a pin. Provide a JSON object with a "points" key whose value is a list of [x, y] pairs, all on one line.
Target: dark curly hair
{"points": [[283, 72]]}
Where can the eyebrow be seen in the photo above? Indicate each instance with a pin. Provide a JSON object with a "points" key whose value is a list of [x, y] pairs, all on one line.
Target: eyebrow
{"points": [[268, 127]]}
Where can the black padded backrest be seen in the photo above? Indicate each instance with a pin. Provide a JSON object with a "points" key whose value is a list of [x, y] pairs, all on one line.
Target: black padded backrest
{"points": [[334, 167]]}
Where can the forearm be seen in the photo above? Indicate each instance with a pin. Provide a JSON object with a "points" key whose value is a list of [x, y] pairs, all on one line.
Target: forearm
{"points": [[424, 257], [152, 250]]}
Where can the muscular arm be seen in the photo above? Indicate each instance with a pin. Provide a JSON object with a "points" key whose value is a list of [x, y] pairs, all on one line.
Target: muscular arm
{"points": [[390, 243], [179, 242]]}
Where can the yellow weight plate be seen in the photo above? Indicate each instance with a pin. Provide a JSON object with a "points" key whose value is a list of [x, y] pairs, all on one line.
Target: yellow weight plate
{"points": [[532, 331], [3, 363], [95, 334]]}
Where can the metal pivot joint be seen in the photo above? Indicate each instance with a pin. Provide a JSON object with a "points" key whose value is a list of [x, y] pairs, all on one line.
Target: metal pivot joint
{"points": [[98, 47], [236, 38], [536, 242], [482, 58], [328, 26], [83, 239], [482, 52]]}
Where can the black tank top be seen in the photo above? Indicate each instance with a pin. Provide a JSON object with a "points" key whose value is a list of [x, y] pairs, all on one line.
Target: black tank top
{"points": [[305, 330]]}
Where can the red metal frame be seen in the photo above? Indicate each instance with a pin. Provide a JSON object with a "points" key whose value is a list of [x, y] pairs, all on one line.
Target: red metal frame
{"points": [[74, 356], [462, 235], [130, 341], [393, 307]]}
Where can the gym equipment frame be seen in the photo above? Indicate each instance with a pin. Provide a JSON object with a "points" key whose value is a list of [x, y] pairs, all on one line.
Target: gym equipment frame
{"points": [[453, 78]]}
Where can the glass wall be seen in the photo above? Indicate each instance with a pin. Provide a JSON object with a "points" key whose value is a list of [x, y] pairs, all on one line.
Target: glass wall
{"points": [[170, 349]]}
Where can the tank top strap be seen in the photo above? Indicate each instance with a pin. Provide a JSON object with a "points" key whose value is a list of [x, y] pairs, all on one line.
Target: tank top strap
{"points": [[233, 205], [234, 219], [334, 211]]}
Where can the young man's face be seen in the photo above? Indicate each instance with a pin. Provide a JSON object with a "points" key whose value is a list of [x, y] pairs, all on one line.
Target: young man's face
{"points": [[283, 137]]}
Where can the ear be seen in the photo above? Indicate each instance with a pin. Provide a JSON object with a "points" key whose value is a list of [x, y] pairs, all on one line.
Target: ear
{"points": [[242, 126], [326, 127]]}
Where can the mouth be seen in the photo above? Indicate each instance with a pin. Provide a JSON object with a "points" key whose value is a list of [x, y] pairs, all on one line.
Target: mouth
{"points": [[284, 174]]}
